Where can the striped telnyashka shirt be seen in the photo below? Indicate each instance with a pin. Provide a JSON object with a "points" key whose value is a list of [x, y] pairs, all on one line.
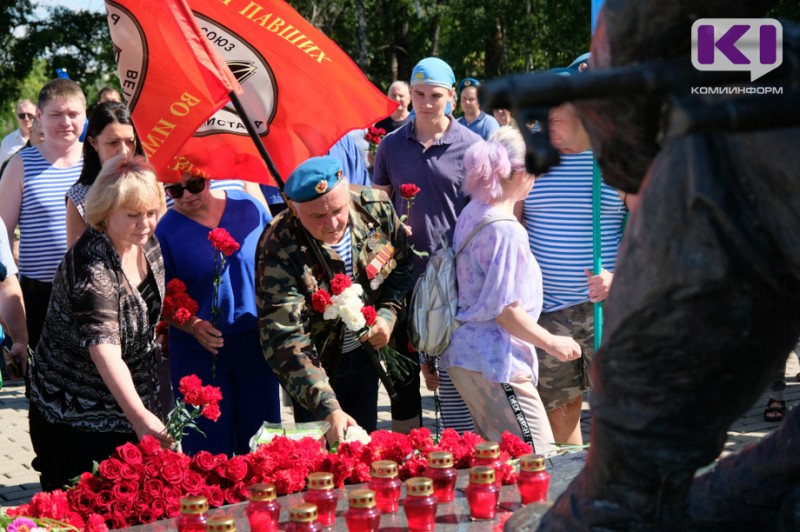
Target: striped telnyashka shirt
{"points": [[558, 218]]}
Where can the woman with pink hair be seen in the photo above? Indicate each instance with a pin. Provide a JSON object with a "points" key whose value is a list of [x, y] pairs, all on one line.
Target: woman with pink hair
{"points": [[499, 300]]}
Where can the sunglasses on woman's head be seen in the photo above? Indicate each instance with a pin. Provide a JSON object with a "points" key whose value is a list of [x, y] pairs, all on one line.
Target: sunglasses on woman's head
{"points": [[194, 185]]}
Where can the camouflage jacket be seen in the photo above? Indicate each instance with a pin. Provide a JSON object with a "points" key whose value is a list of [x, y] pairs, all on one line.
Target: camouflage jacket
{"points": [[298, 343]]}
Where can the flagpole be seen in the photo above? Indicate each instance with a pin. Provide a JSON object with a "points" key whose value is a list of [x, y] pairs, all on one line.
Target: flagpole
{"points": [[262, 150], [597, 195], [312, 242]]}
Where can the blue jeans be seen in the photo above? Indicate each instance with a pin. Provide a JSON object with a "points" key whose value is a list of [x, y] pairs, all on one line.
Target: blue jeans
{"points": [[356, 388]]}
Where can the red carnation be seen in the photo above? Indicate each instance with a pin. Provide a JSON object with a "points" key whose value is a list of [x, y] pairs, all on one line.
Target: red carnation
{"points": [[513, 445], [191, 387], [96, 523], [370, 314], [340, 283], [408, 191], [320, 300], [212, 412], [222, 241], [178, 306], [175, 286], [181, 316]]}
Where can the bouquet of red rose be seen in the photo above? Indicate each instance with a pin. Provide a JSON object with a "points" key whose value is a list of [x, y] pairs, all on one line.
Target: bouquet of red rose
{"points": [[224, 246], [345, 303], [374, 136], [204, 401]]}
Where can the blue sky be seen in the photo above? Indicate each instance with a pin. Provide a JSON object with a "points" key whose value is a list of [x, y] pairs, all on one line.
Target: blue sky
{"points": [[91, 5]]}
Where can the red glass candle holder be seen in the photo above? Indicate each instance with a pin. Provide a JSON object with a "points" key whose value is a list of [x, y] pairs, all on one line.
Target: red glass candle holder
{"points": [[482, 493], [440, 470], [488, 454], [303, 518], [386, 485], [221, 523], [362, 515], [194, 513], [533, 480], [320, 492], [263, 511], [420, 504]]}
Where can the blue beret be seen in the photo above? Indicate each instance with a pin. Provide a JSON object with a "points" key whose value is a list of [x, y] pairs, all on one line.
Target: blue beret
{"points": [[468, 82], [561, 71], [313, 178], [433, 71], [580, 59]]}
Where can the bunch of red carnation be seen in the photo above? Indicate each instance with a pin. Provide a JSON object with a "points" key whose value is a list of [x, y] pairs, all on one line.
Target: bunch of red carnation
{"points": [[223, 242], [204, 401], [178, 305], [54, 508], [374, 135]]}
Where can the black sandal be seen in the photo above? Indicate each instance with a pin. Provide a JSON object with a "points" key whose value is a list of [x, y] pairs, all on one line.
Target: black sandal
{"points": [[775, 411]]}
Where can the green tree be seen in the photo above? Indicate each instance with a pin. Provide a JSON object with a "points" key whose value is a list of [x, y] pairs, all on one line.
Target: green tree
{"points": [[31, 49], [77, 41], [13, 15]]}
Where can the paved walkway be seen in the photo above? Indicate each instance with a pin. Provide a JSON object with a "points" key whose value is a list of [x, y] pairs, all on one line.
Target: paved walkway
{"points": [[18, 482]]}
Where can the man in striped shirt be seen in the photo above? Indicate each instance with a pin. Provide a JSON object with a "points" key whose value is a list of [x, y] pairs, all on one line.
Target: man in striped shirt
{"points": [[558, 217], [33, 189]]}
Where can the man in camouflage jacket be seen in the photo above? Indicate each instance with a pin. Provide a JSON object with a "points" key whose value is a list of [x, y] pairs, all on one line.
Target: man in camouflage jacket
{"points": [[302, 347]]}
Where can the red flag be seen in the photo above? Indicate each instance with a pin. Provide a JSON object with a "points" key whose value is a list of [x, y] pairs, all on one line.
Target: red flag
{"points": [[301, 91], [168, 99]]}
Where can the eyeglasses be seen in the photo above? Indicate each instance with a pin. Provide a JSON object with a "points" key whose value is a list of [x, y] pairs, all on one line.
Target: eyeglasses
{"points": [[25, 116], [195, 186]]}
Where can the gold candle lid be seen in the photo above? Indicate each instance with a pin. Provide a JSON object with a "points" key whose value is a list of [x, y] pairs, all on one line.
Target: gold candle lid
{"points": [[419, 487], [361, 498], [321, 480], [487, 449], [482, 474], [262, 492], [221, 523], [440, 459], [384, 469], [194, 505], [532, 462], [303, 513]]}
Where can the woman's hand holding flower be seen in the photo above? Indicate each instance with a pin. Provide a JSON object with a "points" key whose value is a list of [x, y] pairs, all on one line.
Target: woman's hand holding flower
{"points": [[208, 336]]}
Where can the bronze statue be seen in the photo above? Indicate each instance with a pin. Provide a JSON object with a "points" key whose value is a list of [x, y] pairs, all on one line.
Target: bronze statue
{"points": [[706, 296]]}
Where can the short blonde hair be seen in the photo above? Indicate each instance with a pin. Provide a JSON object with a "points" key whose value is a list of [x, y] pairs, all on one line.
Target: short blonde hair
{"points": [[61, 89], [124, 183]]}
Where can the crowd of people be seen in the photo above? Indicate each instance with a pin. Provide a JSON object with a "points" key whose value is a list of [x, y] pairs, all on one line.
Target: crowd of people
{"points": [[101, 242]]}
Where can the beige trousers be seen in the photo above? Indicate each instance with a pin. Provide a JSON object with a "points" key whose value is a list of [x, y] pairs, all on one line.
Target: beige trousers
{"points": [[492, 410]]}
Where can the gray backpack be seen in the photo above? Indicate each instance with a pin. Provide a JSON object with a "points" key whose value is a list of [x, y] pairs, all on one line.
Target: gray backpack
{"points": [[434, 301]]}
